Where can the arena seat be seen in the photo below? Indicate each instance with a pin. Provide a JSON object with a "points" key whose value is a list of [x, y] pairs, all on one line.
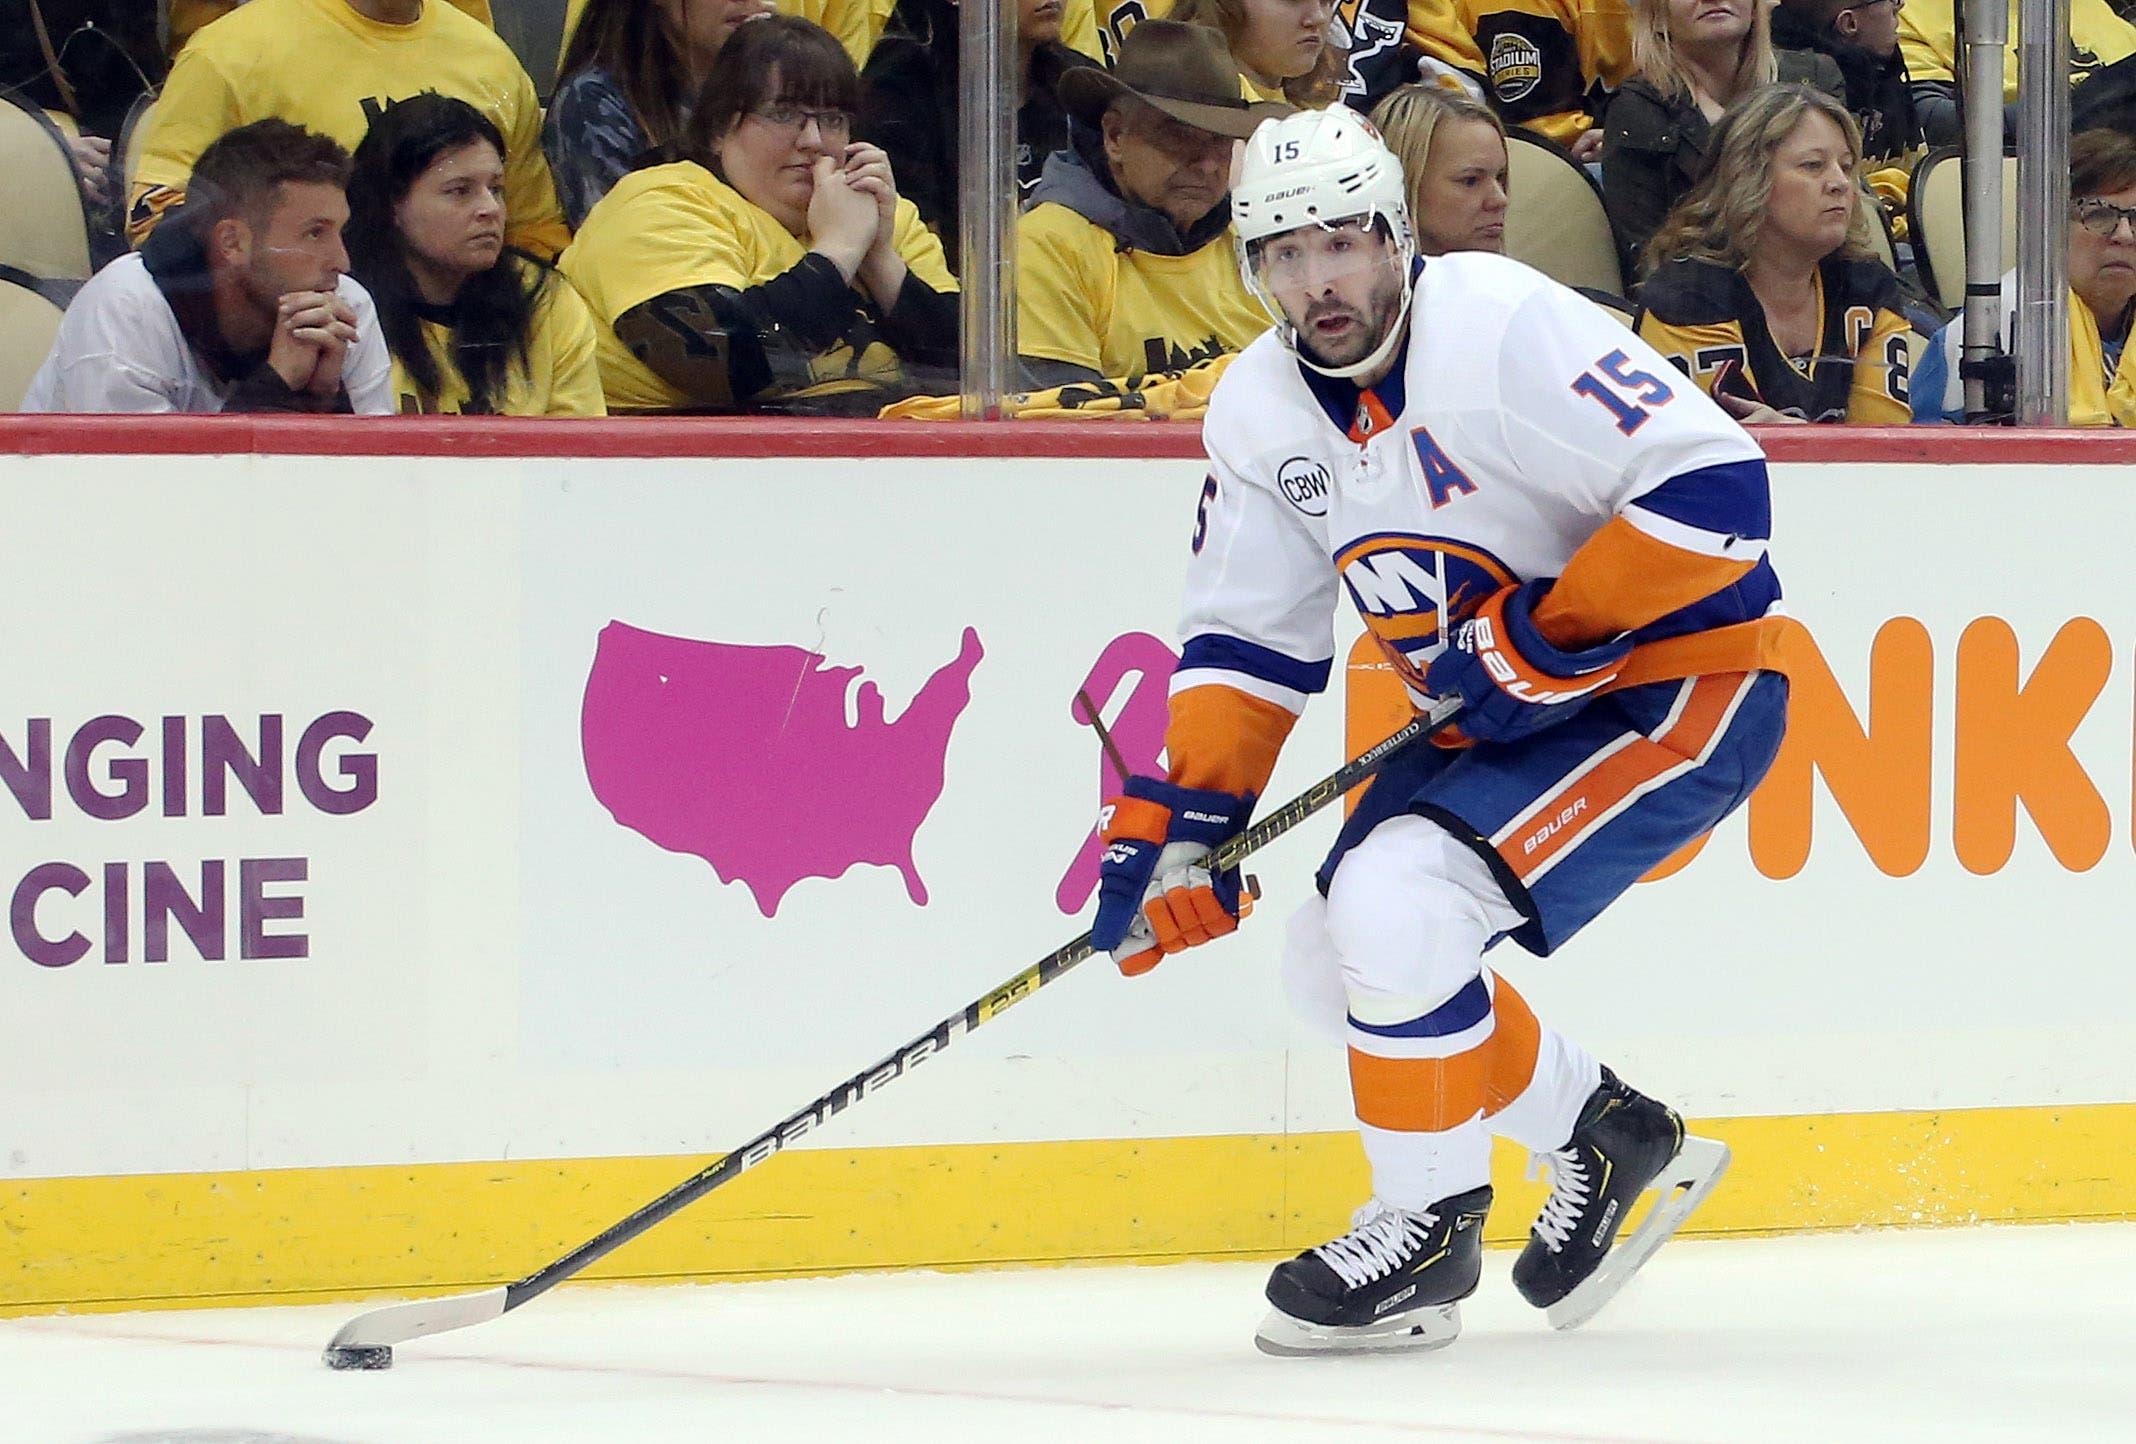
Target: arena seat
{"points": [[1555, 221], [126, 150], [44, 227], [28, 321], [1935, 208]]}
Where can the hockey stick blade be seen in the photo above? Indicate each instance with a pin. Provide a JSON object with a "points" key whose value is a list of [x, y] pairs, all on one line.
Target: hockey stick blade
{"points": [[366, 1341], [1678, 1190]]}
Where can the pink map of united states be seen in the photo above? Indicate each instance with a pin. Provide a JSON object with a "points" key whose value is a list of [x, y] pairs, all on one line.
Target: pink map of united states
{"points": [[742, 755]]}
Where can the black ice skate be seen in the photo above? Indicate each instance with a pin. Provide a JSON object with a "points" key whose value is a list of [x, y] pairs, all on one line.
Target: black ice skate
{"points": [[1392, 1282], [1623, 1144]]}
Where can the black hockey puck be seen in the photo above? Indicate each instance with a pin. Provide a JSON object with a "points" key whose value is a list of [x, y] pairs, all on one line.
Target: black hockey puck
{"points": [[375, 1356]]}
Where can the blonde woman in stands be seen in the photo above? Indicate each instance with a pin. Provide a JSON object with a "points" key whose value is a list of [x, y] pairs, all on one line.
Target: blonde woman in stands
{"points": [[1766, 290], [775, 267], [1453, 154], [626, 83], [1694, 59], [475, 327], [330, 65]]}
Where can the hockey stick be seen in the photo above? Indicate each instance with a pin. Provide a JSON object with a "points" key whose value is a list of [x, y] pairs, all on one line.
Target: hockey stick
{"points": [[366, 1341]]}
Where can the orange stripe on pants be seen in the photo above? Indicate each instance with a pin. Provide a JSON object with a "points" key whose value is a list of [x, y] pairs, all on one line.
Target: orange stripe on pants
{"points": [[1590, 796], [1431, 1095]]}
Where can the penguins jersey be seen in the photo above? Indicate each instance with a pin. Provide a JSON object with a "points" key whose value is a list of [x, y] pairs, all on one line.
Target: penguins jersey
{"points": [[1524, 433], [1704, 318]]}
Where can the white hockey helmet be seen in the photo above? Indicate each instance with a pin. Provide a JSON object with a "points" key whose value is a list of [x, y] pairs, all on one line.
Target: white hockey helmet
{"points": [[1318, 168]]}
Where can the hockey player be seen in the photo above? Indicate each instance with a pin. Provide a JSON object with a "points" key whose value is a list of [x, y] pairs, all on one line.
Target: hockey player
{"points": [[1531, 510]]}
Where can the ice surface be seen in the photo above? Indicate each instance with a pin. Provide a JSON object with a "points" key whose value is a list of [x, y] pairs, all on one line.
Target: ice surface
{"points": [[2002, 1334]]}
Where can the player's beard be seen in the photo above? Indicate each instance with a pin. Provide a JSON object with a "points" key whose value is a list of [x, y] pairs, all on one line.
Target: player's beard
{"points": [[1383, 306]]}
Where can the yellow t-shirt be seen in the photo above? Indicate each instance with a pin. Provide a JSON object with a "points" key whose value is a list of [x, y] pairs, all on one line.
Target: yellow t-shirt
{"points": [[1079, 28], [1114, 18], [1160, 396], [671, 227], [561, 377], [319, 64], [858, 24], [188, 16], [1928, 39], [1082, 300]]}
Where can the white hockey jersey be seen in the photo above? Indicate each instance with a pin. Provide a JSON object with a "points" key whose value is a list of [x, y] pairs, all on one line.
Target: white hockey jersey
{"points": [[1525, 433]]}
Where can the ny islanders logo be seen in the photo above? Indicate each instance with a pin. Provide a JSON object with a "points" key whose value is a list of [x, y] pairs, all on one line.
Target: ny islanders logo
{"points": [[1413, 590]]}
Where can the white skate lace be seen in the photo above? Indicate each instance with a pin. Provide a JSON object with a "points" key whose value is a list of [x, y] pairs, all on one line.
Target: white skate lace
{"points": [[1568, 1195], [1380, 1238]]}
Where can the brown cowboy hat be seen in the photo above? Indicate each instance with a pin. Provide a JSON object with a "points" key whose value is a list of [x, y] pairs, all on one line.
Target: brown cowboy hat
{"points": [[1186, 71]]}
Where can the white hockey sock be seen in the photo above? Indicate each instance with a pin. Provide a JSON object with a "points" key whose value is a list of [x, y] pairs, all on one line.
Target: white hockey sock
{"points": [[1415, 1170], [1542, 1117]]}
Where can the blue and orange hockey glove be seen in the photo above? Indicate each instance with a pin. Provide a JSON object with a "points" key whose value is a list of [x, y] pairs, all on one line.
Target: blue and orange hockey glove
{"points": [[1512, 681], [1154, 896]]}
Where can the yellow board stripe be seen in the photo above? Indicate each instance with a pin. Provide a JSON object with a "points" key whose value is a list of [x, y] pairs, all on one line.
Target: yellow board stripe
{"points": [[305, 1234]]}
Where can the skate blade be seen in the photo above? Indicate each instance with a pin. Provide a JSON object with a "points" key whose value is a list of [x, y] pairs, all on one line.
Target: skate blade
{"points": [[1681, 1187], [1415, 1331]]}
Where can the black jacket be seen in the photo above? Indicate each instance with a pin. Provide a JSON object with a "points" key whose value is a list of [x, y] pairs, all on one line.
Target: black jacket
{"points": [[1654, 149], [909, 108], [1878, 91]]}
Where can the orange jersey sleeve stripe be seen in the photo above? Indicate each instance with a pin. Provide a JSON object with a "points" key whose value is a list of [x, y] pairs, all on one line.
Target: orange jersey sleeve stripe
{"points": [[1431, 1095], [1221, 739], [1621, 579]]}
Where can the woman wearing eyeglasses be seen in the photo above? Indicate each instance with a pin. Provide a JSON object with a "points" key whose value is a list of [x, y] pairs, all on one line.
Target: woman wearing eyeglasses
{"points": [[1766, 290], [2102, 296], [775, 267]]}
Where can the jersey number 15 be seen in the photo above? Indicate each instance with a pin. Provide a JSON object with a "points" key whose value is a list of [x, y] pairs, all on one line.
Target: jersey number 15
{"points": [[1627, 395]]}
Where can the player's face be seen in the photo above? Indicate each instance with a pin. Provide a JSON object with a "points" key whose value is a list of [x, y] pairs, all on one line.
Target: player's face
{"points": [[1038, 21], [451, 221], [2102, 269], [1461, 196], [1708, 22], [1339, 286], [1167, 164], [297, 246], [1283, 38], [704, 25], [1813, 196]]}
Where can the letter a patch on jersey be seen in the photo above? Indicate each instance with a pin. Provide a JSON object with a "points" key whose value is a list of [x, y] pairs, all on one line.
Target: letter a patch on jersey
{"points": [[1444, 479]]}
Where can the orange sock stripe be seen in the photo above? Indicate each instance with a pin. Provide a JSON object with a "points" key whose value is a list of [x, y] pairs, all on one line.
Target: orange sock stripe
{"points": [[1431, 1095], [1585, 802]]}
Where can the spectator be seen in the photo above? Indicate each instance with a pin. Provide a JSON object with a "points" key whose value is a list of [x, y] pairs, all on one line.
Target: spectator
{"points": [[1695, 59], [629, 74], [1453, 154], [1280, 47], [240, 302], [909, 103], [2102, 297], [1549, 65], [1928, 39], [331, 65], [188, 16], [1862, 39], [1124, 260], [775, 267], [474, 327], [1765, 288]]}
